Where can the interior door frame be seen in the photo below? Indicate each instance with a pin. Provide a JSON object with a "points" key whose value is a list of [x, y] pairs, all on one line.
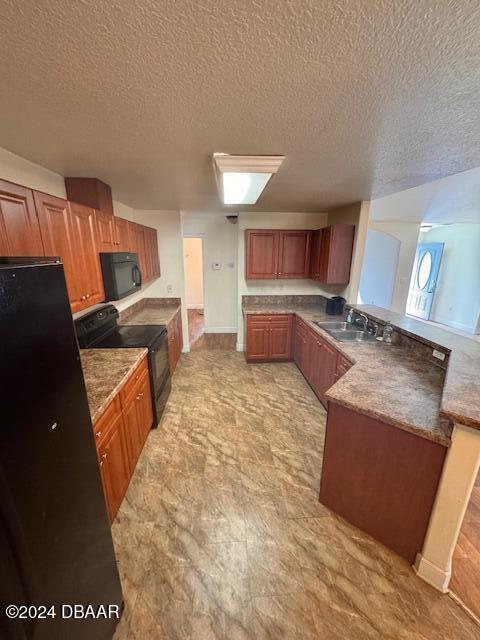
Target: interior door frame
{"points": [[199, 236]]}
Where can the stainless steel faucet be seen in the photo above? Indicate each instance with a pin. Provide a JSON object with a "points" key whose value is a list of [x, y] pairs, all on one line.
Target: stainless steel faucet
{"points": [[362, 316]]}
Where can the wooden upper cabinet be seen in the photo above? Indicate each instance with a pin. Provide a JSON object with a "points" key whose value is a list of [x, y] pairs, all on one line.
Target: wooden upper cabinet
{"points": [[335, 254], [315, 254], [56, 231], [294, 254], [87, 263], [277, 254], [261, 254], [106, 236], [19, 228], [151, 251], [123, 237], [139, 231], [91, 192]]}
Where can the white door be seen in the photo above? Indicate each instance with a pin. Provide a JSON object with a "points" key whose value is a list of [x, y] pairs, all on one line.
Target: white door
{"points": [[424, 279]]}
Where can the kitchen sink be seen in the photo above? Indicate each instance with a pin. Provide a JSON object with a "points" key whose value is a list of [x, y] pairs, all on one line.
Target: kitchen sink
{"points": [[346, 332], [353, 336], [335, 325]]}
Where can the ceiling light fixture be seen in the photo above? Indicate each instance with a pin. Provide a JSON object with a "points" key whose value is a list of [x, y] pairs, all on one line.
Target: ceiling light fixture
{"points": [[241, 179]]}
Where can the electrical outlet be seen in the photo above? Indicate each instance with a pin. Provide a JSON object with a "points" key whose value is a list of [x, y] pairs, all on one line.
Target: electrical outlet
{"points": [[438, 354], [169, 288]]}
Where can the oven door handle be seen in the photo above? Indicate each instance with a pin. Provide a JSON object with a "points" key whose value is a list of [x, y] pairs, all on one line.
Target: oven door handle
{"points": [[137, 276]]}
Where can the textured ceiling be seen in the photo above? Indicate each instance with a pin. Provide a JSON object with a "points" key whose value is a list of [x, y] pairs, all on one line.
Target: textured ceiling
{"points": [[364, 97]]}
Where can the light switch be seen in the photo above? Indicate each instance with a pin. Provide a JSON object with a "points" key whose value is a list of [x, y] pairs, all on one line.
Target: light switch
{"points": [[216, 266]]}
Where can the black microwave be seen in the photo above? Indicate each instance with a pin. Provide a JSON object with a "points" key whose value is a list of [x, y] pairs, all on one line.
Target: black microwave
{"points": [[121, 274]]}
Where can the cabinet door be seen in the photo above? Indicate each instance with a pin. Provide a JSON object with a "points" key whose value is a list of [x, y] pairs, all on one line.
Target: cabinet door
{"points": [[336, 250], [328, 371], [315, 254], [89, 277], [19, 228], [179, 334], [143, 400], [105, 226], [343, 365], [123, 240], [257, 341], [280, 341], [261, 254], [133, 433], [315, 363], [140, 249], [294, 254], [151, 249], [111, 454], [56, 231]]}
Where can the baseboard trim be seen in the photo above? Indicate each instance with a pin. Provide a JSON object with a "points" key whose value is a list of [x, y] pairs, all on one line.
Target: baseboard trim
{"points": [[436, 577], [186, 348], [240, 346], [195, 306], [220, 329]]}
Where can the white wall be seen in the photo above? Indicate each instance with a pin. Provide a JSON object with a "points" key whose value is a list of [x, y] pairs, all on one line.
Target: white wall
{"points": [[17, 169], [407, 234], [170, 247], [379, 269], [220, 285], [193, 260], [457, 295]]}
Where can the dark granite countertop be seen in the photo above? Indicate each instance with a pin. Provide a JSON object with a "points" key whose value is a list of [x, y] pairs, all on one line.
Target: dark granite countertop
{"points": [[386, 382], [151, 311], [461, 393], [105, 371]]}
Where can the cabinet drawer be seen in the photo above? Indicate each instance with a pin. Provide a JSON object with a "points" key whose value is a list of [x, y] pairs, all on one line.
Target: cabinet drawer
{"points": [[274, 318], [131, 384], [104, 423]]}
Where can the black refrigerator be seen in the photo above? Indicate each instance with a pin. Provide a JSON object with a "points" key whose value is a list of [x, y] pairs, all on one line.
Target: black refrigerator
{"points": [[55, 543]]}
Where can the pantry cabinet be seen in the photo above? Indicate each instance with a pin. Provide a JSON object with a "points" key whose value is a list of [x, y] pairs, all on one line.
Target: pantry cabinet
{"points": [[269, 338], [19, 228]]}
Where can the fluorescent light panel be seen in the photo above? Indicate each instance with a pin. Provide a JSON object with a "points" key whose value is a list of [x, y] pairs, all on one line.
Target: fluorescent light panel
{"points": [[241, 179]]}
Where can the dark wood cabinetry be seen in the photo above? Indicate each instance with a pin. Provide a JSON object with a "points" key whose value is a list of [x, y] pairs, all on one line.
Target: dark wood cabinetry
{"points": [[332, 249], [19, 228], [123, 237], [120, 434], [106, 233], [269, 338], [294, 254], [301, 353], [389, 498], [324, 255], [56, 231], [152, 262], [276, 254], [91, 192], [175, 340], [89, 284]]}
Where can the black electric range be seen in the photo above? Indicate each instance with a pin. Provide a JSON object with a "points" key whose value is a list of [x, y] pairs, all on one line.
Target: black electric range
{"points": [[99, 329]]}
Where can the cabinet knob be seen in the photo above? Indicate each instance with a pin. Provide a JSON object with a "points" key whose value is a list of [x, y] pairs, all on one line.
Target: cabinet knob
{"points": [[140, 395], [87, 296], [105, 455], [98, 434], [83, 298]]}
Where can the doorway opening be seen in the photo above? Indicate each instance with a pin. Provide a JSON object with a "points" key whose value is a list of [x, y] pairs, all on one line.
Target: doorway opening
{"points": [[445, 282], [194, 285]]}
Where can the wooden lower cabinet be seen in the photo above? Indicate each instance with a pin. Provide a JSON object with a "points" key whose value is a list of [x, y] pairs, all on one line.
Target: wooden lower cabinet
{"points": [[269, 338], [175, 340], [120, 434], [380, 478]]}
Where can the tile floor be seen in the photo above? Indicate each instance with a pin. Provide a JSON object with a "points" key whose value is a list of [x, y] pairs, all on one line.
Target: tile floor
{"points": [[198, 339], [221, 534]]}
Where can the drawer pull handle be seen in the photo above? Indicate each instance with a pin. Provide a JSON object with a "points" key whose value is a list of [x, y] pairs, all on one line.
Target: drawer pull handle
{"points": [[140, 395]]}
